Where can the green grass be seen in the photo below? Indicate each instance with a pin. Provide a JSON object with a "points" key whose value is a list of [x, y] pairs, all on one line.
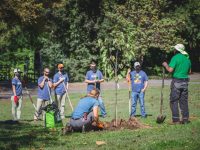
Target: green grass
{"points": [[31, 135]]}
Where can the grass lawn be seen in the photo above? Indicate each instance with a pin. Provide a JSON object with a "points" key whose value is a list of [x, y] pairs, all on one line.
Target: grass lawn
{"points": [[32, 135]]}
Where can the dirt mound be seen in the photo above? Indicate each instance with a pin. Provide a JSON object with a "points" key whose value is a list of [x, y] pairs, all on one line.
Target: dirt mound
{"points": [[132, 124]]}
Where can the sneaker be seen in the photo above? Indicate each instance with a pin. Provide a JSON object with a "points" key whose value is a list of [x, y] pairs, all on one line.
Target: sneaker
{"points": [[145, 116], [104, 116]]}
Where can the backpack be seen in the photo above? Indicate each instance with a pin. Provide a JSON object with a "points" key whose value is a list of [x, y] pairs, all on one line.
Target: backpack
{"points": [[52, 116]]}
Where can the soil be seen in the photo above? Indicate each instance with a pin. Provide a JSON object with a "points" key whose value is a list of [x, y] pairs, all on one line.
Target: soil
{"points": [[133, 123]]}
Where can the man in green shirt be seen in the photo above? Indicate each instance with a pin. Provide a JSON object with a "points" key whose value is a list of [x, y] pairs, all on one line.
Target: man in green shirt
{"points": [[180, 67]]}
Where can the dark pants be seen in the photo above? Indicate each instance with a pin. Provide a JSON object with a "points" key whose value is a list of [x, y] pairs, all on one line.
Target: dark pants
{"points": [[77, 124], [179, 98]]}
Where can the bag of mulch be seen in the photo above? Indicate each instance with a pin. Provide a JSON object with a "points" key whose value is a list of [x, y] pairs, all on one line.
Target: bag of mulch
{"points": [[52, 116]]}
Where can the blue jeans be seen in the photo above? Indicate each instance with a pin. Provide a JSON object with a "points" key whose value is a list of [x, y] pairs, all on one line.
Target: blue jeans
{"points": [[135, 97], [102, 107]]}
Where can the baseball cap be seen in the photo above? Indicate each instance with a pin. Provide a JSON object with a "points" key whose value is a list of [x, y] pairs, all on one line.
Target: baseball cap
{"points": [[93, 64], [17, 70], [136, 64]]}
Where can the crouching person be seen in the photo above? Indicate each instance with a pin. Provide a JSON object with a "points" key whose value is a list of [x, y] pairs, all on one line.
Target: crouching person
{"points": [[85, 116]]}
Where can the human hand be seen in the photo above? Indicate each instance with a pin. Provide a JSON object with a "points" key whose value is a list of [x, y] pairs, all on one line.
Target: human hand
{"points": [[129, 70], [16, 99], [164, 64], [100, 125], [143, 90], [61, 79], [46, 78]]}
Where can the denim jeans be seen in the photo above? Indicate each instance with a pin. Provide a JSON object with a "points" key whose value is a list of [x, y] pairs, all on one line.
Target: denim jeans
{"points": [[102, 107], [135, 97]]}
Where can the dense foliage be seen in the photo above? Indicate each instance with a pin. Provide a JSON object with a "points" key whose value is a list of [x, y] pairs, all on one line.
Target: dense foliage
{"points": [[43, 33]]}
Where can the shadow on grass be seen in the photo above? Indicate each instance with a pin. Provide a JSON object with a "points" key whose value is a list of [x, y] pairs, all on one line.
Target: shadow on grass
{"points": [[15, 135]]}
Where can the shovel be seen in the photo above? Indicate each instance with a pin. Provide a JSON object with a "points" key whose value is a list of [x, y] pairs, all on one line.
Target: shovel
{"points": [[161, 117]]}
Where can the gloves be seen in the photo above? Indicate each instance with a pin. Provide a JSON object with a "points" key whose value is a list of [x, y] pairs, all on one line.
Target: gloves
{"points": [[100, 125], [16, 100]]}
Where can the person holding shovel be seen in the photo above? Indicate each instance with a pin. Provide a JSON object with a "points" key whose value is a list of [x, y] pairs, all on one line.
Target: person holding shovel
{"points": [[85, 116], [44, 86], [139, 82], [180, 67], [93, 79], [60, 83], [16, 98]]}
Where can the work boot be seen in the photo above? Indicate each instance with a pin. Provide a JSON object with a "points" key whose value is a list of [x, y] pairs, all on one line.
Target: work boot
{"points": [[67, 129], [185, 122], [174, 123]]}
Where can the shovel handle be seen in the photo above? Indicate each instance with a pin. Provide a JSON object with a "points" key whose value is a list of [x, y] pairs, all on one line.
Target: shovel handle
{"points": [[161, 99]]}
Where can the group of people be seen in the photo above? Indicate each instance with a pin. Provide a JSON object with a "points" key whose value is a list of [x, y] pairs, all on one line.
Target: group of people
{"points": [[86, 111]]}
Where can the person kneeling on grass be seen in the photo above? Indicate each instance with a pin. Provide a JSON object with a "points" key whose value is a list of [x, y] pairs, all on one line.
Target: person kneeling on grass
{"points": [[85, 116]]}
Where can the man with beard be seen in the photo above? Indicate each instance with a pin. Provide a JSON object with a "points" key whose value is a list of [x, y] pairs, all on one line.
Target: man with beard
{"points": [[139, 82], [17, 96], [93, 79], [60, 83], [44, 86]]}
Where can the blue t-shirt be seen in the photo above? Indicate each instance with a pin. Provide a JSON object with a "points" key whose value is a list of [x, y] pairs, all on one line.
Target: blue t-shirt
{"points": [[137, 80], [60, 89], [43, 93], [85, 105], [90, 75], [18, 86]]}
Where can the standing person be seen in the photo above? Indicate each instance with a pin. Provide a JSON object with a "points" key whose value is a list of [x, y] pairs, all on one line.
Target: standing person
{"points": [[44, 86], [17, 96], [180, 67], [93, 79], [60, 83], [86, 113], [139, 82]]}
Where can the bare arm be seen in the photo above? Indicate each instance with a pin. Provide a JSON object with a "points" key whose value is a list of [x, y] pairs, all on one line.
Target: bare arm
{"points": [[102, 80], [50, 84], [145, 86], [57, 83], [190, 72], [96, 116], [90, 81], [14, 90], [41, 85], [128, 79], [167, 67], [67, 85]]}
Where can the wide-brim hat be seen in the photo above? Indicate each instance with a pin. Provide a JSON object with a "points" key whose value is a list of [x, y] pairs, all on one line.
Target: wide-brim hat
{"points": [[180, 48]]}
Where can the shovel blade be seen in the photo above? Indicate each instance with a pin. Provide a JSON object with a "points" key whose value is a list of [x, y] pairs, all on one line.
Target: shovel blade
{"points": [[161, 119]]}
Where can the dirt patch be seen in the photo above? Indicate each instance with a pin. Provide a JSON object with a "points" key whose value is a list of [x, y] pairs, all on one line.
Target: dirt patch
{"points": [[132, 123]]}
